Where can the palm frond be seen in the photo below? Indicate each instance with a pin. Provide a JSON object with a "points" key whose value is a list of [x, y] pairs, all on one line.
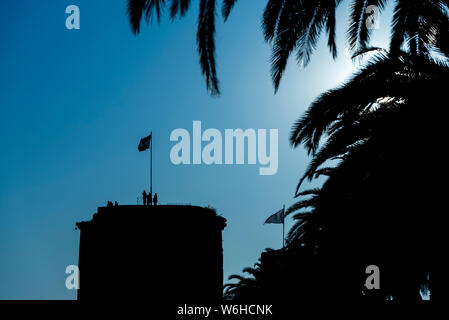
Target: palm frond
{"points": [[183, 7], [135, 11], [331, 29], [179, 7], [363, 51], [301, 205], [227, 7], [302, 215], [309, 192], [154, 7], [400, 16], [323, 172], [310, 128], [206, 44], [270, 19], [252, 271], [313, 20], [336, 145], [287, 33], [358, 8], [365, 31]]}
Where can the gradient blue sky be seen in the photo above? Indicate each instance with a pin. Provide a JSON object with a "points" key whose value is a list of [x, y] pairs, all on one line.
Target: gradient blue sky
{"points": [[74, 104]]}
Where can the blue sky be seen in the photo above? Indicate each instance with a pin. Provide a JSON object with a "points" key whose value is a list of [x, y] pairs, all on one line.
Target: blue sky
{"points": [[74, 104]]}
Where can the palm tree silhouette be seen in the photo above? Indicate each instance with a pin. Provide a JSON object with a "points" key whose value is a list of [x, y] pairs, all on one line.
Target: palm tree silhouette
{"points": [[296, 25], [371, 127], [374, 207], [245, 288], [279, 276]]}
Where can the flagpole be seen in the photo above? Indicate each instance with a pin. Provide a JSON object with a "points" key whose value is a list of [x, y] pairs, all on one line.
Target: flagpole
{"points": [[283, 226], [151, 165]]}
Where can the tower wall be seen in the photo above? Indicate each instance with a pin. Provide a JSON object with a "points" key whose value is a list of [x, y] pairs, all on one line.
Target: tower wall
{"points": [[150, 253]]}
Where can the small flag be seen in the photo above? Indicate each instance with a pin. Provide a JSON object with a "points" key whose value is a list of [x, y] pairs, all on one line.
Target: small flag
{"points": [[278, 217], [144, 143]]}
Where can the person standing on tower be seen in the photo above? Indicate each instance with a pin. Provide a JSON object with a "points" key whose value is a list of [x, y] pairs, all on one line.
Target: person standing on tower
{"points": [[155, 199], [144, 197]]}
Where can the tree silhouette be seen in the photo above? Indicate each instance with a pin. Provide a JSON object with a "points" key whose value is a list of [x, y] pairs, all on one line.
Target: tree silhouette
{"points": [[296, 25], [246, 287], [376, 138], [370, 127]]}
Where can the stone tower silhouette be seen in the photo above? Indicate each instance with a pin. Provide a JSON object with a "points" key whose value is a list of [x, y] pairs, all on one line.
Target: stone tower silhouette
{"points": [[152, 253]]}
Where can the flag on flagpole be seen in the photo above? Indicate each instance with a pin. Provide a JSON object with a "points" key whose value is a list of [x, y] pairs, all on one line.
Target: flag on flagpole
{"points": [[278, 217], [145, 143]]}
